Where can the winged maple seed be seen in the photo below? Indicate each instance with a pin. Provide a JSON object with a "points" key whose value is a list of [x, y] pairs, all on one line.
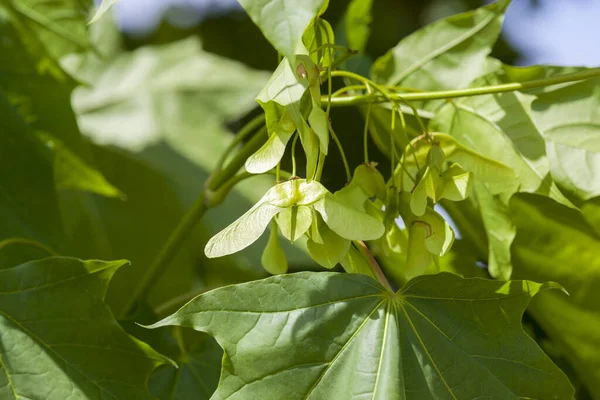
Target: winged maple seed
{"points": [[293, 202]]}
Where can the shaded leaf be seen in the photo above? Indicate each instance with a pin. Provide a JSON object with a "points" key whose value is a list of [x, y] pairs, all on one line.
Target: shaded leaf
{"points": [[555, 242], [332, 248], [358, 18], [49, 30], [71, 172], [78, 346], [439, 336]]}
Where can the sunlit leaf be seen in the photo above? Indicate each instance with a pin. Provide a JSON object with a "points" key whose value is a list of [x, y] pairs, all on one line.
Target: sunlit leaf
{"points": [[438, 337], [267, 157], [74, 350], [283, 23]]}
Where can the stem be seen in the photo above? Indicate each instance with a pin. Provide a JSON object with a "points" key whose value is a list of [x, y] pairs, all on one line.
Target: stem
{"points": [[294, 155], [243, 133], [27, 242], [366, 134], [346, 101], [169, 251], [343, 154], [374, 265]]}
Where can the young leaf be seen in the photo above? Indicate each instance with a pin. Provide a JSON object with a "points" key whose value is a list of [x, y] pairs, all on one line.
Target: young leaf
{"points": [[282, 23], [318, 39], [346, 221], [440, 336], [457, 183], [59, 338], [273, 258], [269, 155], [427, 59]]}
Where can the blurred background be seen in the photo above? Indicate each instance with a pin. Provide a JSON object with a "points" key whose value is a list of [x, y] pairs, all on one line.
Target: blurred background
{"points": [[561, 32]]}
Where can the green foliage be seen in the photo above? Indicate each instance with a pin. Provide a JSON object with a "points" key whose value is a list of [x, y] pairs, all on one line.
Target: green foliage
{"points": [[106, 141], [60, 340], [413, 344]]}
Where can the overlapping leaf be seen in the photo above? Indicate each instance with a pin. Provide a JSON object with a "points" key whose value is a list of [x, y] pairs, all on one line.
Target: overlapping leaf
{"points": [[447, 54], [49, 29], [59, 340], [337, 336]]}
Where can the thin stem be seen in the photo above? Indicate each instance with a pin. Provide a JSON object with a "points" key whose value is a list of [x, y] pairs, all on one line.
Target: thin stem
{"points": [[366, 134], [250, 127], [294, 154], [342, 153], [168, 252], [27, 242], [374, 265], [347, 89], [346, 101]]}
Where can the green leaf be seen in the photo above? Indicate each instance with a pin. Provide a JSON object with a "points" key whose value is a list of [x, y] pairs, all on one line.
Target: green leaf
{"points": [[59, 338], [555, 242], [316, 38], [197, 372], [104, 7], [347, 221], [497, 221], [358, 18], [282, 23], [71, 172], [273, 258], [338, 336], [447, 54], [28, 204], [569, 120], [49, 30], [175, 92]]}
